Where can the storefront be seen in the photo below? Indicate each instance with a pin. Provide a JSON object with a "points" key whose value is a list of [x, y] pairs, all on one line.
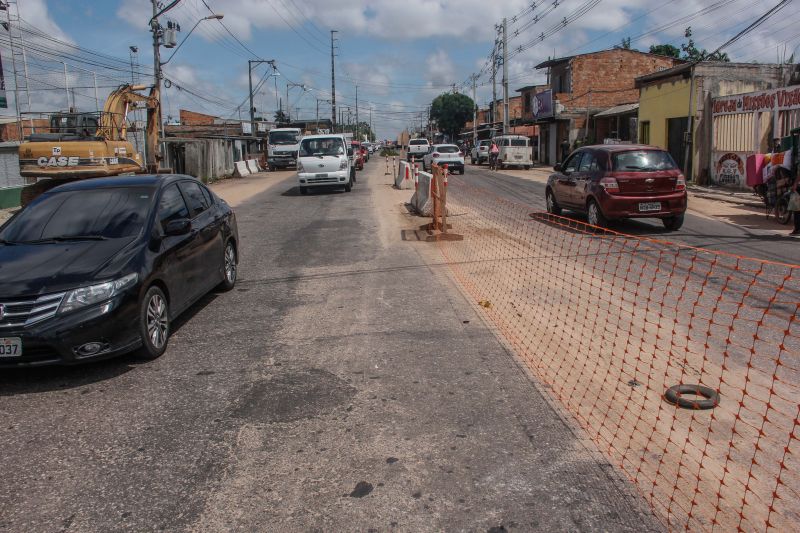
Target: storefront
{"points": [[747, 124]]}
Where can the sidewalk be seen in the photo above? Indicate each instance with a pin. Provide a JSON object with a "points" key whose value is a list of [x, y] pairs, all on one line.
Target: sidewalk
{"points": [[743, 209]]}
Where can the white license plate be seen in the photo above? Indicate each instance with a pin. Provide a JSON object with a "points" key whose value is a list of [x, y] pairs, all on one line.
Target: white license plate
{"points": [[323, 175], [10, 347], [649, 206], [517, 157]]}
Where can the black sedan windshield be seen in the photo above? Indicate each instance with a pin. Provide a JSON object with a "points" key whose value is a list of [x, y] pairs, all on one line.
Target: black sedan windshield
{"points": [[86, 214]]}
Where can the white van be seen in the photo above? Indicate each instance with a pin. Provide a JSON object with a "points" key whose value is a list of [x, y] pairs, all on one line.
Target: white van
{"points": [[515, 150], [324, 160]]}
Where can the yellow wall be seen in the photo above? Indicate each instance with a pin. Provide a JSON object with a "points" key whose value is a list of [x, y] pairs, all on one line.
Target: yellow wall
{"points": [[660, 102]]}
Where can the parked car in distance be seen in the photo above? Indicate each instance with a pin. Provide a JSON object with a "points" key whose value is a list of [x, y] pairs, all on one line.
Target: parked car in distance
{"points": [[100, 267], [358, 155], [325, 161], [417, 148], [444, 154], [515, 151], [480, 152], [612, 182]]}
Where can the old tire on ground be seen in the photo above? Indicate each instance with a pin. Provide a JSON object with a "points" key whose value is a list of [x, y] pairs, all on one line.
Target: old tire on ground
{"points": [[154, 324], [595, 215], [230, 260], [552, 205], [673, 223], [674, 395]]}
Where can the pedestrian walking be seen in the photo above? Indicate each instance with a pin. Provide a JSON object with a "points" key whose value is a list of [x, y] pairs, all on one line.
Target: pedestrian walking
{"points": [[564, 149], [794, 206], [494, 151]]}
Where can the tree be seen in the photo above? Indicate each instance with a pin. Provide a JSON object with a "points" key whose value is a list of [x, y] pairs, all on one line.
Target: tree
{"points": [[281, 118], [451, 111], [665, 50], [625, 44], [692, 53]]}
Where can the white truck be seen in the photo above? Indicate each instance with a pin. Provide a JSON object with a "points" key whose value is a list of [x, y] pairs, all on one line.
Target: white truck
{"points": [[282, 146], [417, 148]]}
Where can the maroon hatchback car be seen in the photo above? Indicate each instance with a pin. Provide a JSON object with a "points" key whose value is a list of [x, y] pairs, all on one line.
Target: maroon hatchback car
{"points": [[616, 181]]}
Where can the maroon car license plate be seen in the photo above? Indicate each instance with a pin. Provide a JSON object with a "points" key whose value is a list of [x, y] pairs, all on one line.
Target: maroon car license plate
{"points": [[645, 207]]}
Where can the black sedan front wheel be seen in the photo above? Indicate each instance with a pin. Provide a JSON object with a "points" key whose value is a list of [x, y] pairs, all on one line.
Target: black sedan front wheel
{"points": [[153, 324]]}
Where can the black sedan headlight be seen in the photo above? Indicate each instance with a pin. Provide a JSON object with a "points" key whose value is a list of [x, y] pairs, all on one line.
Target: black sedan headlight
{"points": [[95, 294]]}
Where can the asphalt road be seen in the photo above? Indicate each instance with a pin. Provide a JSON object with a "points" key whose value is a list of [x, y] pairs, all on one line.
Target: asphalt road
{"points": [[344, 385], [697, 230]]}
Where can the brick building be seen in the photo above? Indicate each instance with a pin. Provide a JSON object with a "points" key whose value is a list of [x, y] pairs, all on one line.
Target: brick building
{"points": [[584, 85], [9, 127], [192, 118]]}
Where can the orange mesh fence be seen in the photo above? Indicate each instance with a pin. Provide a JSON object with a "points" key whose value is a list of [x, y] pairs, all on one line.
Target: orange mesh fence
{"points": [[609, 322]]}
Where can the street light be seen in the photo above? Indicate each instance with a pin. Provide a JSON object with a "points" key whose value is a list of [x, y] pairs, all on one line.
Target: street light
{"points": [[288, 86], [216, 16]]}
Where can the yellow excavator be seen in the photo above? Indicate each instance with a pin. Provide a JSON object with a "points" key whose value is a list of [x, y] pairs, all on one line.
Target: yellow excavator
{"points": [[90, 145]]}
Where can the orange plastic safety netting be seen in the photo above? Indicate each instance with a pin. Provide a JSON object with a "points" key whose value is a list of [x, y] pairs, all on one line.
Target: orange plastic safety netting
{"points": [[610, 321]]}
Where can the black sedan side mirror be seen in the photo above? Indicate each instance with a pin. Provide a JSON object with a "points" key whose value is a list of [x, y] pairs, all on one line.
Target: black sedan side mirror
{"points": [[557, 167], [180, 226], [350, 152]]}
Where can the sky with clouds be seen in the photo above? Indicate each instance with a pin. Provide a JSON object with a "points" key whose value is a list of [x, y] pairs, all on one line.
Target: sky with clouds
{"points": [[400, 54]]}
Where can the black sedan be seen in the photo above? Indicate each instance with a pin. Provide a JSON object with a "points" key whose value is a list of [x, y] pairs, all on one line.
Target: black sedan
{"points": [[100, 267]]}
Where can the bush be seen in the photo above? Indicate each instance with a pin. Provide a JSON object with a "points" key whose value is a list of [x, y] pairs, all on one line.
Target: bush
{"points": [[388, 152]]}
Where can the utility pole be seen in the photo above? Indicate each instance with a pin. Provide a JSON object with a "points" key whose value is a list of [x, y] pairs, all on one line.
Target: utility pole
{"points": [[333, 83], [66, 86], [250, 63], [156, 29], [370, 124], [474, 111], [494, 84], [357, 124], [505, 77], [19, 84]]}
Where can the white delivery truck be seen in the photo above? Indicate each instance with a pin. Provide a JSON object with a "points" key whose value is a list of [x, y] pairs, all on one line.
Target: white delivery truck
{"points": [[515, 151], [282, 146]]}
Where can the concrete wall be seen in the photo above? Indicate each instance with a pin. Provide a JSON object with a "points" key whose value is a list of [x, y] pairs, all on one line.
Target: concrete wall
{"points": [[209, 159], [10, 197], [724, 79]]}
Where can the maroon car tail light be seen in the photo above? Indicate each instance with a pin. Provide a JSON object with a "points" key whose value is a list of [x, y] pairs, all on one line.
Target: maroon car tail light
{"points": [[435, 154], [610, 185], [680, 183]]}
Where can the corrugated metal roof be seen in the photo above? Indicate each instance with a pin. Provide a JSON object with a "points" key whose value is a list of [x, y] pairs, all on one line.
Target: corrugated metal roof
{"points": [[623, 109]]}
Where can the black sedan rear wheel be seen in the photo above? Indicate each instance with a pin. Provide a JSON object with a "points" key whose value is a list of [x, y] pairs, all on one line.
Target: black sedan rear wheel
{"points": [[154, 324], [229, 267]]}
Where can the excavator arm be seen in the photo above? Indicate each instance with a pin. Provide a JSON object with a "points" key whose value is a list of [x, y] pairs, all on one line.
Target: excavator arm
{"points": [[113, 123]]}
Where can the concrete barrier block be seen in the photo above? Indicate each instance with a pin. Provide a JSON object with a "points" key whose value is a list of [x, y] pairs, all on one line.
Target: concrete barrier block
{"points": [[240, 169], [252, 166], [405, 176], [421, 201]]}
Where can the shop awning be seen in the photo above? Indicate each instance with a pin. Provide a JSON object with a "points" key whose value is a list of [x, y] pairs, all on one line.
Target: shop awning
{"points": [[624, 109]]}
